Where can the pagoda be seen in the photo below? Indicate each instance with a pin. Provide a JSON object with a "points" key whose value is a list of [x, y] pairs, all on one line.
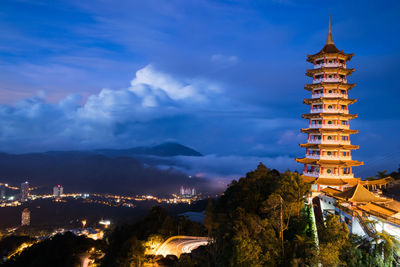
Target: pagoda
{"points": [[328, 160]]}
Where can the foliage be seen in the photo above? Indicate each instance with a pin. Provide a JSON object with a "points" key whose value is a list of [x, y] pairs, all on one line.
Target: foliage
{"points": [[127, 243], [60, 250], [252, 222]]}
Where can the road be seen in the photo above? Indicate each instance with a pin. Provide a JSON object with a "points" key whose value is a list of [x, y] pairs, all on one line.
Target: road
{"points": [[177, 245]]}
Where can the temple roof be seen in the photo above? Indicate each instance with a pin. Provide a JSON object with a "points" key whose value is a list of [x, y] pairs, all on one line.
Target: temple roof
{"points": [[346, 101], [330, 162], [329, 146], [328, 130], [372, 207], [329, 48], [359, 194], [311, 72], [331, 181], [310, 86]]}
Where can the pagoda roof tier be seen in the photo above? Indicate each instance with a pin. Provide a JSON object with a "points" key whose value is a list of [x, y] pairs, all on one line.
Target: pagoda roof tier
{"points": [[312, 72], [328, 130], [340, 85], [331, 181], [328, 146], [333, 100], [330, 51], [359, 194], [347, 163], [329, 115]]}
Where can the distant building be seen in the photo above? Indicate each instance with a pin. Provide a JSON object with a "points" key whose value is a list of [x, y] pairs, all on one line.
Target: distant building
{"points": [[187, 192], [26, 217], [24, 191], [58, 191], [2, 192]]}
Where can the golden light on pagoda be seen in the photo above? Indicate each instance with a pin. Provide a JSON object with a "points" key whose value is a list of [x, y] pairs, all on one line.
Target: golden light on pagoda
{"points": [[328, 160]]}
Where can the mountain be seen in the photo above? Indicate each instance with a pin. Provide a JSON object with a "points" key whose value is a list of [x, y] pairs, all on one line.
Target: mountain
{"points": [[168, 149], [125, 171]]}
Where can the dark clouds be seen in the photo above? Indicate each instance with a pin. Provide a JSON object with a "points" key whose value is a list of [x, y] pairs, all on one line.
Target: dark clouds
{"points": [[226, 77]]}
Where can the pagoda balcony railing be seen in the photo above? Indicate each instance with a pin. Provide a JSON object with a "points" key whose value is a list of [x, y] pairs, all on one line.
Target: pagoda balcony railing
{"points": [[312, 174], [329, 80], [330, 110], [328, 175], [329, 95], [328, 157], [331, 126], [332, 175], [329, 65], [319, 141]]}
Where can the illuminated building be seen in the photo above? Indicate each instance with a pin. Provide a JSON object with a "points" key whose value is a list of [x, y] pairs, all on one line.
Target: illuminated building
{"points": [[58, 191], [193, 191], [182, 191], [24, 191], [2, 191], [328, 160], [25, 217]]}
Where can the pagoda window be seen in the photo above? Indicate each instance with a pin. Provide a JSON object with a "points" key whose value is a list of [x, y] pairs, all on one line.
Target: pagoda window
{"points": [[330, 91], [329, 153], [343, 91], [329, 137], [344, 107], [330, 107], [330, 61], [329, 122], [328, 170]]}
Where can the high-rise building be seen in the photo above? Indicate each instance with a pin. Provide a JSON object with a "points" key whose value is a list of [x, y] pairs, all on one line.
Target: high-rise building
{"points": [[182, 191], [25, 217], [328, 160], [2, 192], [24, 191], [58, 191], [193, 191]]}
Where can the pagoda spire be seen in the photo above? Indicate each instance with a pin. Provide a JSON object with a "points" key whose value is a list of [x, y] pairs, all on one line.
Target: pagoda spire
{"points": [[329, 39]]}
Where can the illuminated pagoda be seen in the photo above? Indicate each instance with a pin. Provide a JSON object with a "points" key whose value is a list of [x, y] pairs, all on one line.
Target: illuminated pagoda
{"points": [[328, 160]]}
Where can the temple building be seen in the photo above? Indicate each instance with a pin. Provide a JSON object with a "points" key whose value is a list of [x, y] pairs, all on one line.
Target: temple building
{"points": [[328, 164], [328, 160]]}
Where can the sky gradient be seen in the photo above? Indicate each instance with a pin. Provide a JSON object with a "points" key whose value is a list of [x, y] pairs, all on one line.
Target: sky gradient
{"points": [[223, 77]]}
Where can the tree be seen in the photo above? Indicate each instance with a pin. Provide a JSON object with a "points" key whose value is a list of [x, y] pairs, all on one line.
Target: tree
{"points": [[382, 174], [334, 239]]}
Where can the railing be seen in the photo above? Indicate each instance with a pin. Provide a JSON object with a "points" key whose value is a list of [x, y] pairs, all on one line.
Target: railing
{"points": [[328, 157], [329, 80], [370, 231], [330, 110], [329, 95], [333, 126], [335, 142], [312, 174], [330, 175], [329, 65]]}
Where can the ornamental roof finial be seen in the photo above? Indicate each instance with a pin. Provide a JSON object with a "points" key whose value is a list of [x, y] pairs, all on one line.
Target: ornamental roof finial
{"points": [[329, 39]]}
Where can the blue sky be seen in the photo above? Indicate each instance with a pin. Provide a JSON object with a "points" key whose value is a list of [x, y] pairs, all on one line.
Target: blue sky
{"points": [[224, 77]]}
